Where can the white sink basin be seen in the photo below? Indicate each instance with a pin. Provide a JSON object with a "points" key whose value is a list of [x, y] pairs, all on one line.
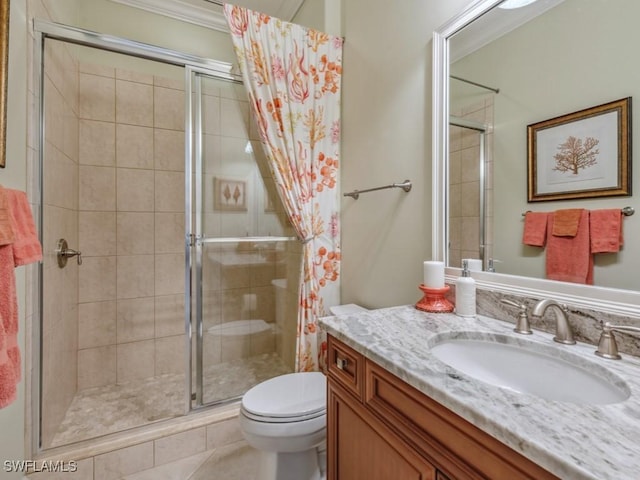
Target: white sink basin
{"points": [[528, 367]]}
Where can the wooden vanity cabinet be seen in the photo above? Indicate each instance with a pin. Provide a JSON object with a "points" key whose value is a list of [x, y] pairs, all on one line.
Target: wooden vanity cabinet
{"points": [[381, 428]]}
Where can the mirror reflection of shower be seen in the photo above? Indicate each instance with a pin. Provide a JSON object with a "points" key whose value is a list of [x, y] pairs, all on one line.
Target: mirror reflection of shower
{"points": [[470, 172]]}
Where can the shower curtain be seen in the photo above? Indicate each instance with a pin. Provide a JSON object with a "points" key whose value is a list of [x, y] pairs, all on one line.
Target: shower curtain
{"points": [[293, 78]]}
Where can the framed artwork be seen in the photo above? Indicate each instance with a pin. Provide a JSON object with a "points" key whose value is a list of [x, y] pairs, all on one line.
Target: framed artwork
{"points": [[229, 195], [585, 154]]}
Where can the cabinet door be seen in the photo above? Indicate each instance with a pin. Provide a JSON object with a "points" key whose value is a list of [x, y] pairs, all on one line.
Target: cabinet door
{"points": [[362, 448]]}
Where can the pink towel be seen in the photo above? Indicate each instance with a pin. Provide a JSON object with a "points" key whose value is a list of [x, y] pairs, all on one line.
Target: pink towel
{"points": [[6, 231], [535, 229], [606, 230], [24, 249], [569, 259]]}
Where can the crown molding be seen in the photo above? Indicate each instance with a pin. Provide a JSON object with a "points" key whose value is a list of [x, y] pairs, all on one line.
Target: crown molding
{"points": [[183, 11]]}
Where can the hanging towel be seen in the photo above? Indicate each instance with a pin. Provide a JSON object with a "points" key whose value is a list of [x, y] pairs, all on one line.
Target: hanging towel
{"points": [[606, 230], [569, 259], [25, 249], [6, 231], [566, 222], [535, 229]]}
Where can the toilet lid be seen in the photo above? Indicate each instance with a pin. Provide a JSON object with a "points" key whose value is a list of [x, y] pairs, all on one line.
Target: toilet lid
{"points": [[286, 396]]}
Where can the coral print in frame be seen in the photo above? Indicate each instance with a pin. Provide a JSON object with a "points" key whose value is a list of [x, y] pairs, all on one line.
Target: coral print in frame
{"points": [[585, 154], [229, 195]]}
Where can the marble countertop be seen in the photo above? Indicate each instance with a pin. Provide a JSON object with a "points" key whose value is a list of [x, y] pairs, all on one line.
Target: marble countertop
{"points": [[573, 441]]}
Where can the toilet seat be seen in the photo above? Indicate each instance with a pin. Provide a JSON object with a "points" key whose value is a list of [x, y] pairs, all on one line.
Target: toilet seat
{"points": [[290, 398]]}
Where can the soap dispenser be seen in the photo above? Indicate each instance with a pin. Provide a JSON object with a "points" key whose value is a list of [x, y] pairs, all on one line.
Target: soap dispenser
{"points": [[465, 293]]}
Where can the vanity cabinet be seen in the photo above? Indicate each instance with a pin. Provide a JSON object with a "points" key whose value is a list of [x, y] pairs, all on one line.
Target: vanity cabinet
{"points": [[381, 428]]}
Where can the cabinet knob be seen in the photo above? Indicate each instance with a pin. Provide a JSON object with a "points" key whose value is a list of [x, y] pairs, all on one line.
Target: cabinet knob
{"points": [[341, 363]]}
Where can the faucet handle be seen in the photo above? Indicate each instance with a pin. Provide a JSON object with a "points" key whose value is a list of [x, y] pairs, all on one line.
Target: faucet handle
{"points": [[522, 323], [607, 346]]}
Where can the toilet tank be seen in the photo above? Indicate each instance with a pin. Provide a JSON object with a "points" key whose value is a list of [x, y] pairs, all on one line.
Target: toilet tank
{"points": [[347, 309]]}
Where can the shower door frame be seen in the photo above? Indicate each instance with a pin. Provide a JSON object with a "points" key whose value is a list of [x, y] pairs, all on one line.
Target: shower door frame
{"points": [[44, 30]]}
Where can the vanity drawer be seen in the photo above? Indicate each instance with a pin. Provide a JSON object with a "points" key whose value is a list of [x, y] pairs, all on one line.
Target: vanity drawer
{"points": [[346, 366]]}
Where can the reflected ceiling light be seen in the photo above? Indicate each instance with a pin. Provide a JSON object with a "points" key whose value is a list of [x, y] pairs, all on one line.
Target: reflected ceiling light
{"points": [[509, 4]]}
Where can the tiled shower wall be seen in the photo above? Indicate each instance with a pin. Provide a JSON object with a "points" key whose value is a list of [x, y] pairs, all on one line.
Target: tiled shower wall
{"points": [[464, 185], [60, 220], [131, 224]]}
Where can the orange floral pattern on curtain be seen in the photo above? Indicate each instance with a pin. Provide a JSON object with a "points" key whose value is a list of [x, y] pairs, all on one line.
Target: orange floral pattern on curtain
{"points": [[293, 77]]}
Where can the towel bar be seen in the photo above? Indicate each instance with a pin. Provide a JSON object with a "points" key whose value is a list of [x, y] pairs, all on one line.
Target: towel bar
{"points": [[626, 211], [406, 186]]}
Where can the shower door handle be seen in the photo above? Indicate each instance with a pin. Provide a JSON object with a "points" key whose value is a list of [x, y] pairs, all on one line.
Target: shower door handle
{"points": [[63, 253]]}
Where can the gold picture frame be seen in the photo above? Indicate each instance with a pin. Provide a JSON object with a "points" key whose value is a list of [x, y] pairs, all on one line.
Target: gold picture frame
{"points": [[4, 65], [229, 195], [585, 154]]}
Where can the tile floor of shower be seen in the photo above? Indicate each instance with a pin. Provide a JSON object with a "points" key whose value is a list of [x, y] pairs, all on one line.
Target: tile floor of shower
{"points": [[99, 411]]}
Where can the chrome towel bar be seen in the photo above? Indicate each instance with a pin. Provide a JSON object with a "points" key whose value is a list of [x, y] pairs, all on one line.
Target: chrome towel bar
{"points": [[406, 186], [626, 211]]}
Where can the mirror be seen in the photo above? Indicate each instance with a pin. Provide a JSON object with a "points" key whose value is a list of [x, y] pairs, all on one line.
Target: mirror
{"points": [[546, 59]]}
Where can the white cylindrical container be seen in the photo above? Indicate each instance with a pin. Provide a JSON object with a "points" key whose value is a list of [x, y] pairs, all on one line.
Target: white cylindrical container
{"points": [[465, 293]]}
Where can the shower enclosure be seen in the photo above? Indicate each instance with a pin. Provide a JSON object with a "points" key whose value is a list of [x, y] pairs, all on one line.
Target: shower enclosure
{"points": [[179, 289]]}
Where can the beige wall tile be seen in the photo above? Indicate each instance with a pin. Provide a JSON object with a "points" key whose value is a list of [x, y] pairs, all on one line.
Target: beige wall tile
{"points": [[174, 83], [97, 232], [97, 69], [236, 118], [62, 173], [114, 465], [84, 471], [97, 143], [96, 367], [135, 319], [135, 276], [223, 433], [169, 150], [169, 273], [170, 354], [135, 190], [70, 133], [181, 445], [134, 146], [211, 122], [96, 324], [97, 279], [53, 115], [136, 360], [169, 315], [135, 233], [133, 76], [97, 98], [169, 191], [134, 103], [97, 188], [169, 232], [168, 108]]}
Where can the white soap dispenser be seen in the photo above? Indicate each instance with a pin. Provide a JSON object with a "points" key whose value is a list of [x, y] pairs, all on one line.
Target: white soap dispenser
{"points": [[465, 293]]}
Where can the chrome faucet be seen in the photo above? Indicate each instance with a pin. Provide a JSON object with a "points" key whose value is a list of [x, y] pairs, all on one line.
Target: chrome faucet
{"points": [[563, 329], [607, 346]]}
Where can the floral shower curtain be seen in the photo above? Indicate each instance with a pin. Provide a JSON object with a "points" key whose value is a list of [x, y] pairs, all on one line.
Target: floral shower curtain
{"points": [[293, 77]]}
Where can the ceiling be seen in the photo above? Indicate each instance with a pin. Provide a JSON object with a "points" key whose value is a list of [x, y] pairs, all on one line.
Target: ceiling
{"points": [[207, 14]]}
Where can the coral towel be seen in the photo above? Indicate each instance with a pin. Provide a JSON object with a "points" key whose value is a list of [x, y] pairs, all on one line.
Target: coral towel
{"points": [[569, 259], [566, 222], [606, 230], [535, 229], [25, 248]]}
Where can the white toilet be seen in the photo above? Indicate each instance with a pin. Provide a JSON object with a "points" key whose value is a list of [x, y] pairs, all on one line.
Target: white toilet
{"points": [[285, 418]]}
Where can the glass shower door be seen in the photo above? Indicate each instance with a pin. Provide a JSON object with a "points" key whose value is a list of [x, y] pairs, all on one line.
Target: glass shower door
{"points": [[245, 259]]}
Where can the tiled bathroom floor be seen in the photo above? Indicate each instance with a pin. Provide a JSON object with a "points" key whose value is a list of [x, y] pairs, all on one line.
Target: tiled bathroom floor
{"points": [[102, 410], [237, 461]]}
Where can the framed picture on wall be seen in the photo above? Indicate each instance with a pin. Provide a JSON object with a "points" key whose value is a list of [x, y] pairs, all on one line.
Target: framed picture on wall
{"points": [[229, 195], [585, 154]]}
